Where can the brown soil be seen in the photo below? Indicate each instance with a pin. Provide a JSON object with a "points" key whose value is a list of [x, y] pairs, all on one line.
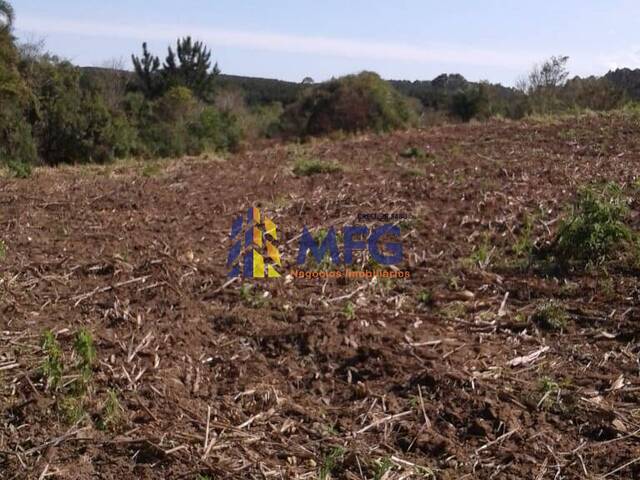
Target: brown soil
{"points": [[321, 379]]}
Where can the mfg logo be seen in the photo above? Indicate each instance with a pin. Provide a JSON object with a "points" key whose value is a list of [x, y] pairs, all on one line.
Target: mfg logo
{"points": [[354, 240], [260, 257]]}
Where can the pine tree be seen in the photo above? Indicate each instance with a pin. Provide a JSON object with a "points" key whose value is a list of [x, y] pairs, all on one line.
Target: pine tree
{"points": [[149, 78], [190, 66]]}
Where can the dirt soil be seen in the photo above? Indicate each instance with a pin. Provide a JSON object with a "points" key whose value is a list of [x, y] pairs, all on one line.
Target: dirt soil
{"points": [[443, 375]]}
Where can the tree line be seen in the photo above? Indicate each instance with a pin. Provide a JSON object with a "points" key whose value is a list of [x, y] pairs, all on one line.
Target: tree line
{"points": [[54, 112]]}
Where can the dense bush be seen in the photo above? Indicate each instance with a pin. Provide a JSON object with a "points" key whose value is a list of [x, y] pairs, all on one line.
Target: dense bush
{"points": [[17, 146], [592, 93], [470, 103], [595, 230], [71, 123], [350, 104], [179, 124]]}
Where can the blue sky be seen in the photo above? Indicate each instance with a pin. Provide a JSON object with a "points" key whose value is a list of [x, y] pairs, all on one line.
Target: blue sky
{"points": [[409, 39]]}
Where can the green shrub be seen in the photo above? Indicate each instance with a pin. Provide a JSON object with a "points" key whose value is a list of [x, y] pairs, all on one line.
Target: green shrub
{"points": [[52, 367], [73, 123], [87, 356], [178, 124], [595, 229], [470, 103], [217, 130], [351, 104], [17, 146]]}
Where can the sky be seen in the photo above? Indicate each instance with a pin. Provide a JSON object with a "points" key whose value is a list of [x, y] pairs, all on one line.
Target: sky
{"points": [[490, 40]]}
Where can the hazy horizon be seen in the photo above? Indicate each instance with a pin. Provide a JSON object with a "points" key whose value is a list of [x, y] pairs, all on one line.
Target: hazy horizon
{"points": [[408, 40]]}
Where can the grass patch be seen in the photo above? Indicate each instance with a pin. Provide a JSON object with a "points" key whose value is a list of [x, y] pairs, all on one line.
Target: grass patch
{"points": [[19, 169], [71, 409], [305, 167], [111, 417], [3, 250], [330, 463], [151, 169], [425, 298], [550, 316], [349, 311]]}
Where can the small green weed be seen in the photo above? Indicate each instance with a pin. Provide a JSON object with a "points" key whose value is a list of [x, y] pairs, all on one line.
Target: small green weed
{"points": [[112, 411], [330, 463], [349, 311], [52, 367], [523, 246], [71, 409], [251, 297], [86, 353], [425, 297], [381, 467], [550, 316]]}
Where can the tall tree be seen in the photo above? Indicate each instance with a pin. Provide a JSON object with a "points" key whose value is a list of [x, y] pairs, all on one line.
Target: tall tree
{"points": [[6, 15], [190, 66], [149, 79]]}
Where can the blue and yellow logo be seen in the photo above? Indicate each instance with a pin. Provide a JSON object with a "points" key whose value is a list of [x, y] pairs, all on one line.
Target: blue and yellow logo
{"points": [[260, 256]]}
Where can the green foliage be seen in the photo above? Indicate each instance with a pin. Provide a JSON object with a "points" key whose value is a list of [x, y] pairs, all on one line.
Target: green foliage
{"points": [[544, 83], [351, 104], [425, 297], [86, 353], [417, 153], [523, 245], [3, 250], [189, 66], [349, 311], [382, 467], [251, 296], [71, 409], [470, 103], [178, 124], [304, 167], [112, 412], [73, 123], [547, 384], [19, 169], [330, 463], [148, 79], [550, 316], [595, 229], [218, 130], [52, 366], [17, 145], [481, 255]]}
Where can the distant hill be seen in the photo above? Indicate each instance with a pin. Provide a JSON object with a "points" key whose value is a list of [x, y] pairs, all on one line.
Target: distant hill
{"points": [[431, 93], [263, 90]]}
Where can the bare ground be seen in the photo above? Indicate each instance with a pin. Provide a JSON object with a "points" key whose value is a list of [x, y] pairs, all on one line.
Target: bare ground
{"points": [[440, 376]]}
